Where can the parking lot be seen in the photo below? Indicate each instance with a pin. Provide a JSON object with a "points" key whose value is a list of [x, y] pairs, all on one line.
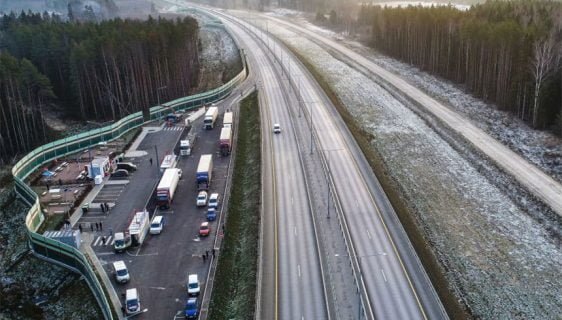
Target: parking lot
{"points": [[159, 268]]}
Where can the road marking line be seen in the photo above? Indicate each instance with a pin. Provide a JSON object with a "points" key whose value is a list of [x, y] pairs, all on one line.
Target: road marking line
{"points": [[112, 241], [157, 288], [369, 234], [96, 242], [295, 230], [108, 240], [292, 201], [383, 275], [299, 270]]}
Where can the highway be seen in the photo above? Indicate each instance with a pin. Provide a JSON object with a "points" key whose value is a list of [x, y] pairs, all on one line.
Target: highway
{"points": [[394, 282], [528, 175], [297, 279]]}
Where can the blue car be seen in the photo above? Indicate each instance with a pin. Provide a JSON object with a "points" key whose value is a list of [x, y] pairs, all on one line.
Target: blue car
{"points": [[191, 308], [211, 214]]}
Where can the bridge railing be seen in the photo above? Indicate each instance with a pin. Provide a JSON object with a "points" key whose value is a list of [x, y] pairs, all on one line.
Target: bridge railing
{"points": [[63, 254]]}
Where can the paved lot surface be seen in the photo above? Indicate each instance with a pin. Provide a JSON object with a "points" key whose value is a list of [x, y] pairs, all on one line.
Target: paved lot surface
{"points": [[160, 267]]}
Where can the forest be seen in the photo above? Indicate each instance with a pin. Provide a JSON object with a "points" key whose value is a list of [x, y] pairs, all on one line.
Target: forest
{"points": [[87, 71], [504, 52]]}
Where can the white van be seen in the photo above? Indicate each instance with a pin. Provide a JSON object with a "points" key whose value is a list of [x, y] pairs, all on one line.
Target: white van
{"points": [[121, 272], [193, 285], [156, 225], [132, 301]]}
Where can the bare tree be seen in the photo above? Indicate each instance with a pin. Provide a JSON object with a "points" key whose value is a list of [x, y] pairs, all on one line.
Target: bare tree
{"points": [[545, 63]]}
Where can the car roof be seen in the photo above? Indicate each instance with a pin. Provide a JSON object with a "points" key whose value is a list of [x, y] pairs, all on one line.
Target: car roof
{"points": [[192, 299], [202, 192], [192, 278], [157, 219], [119, 265], [214, 195], [205, 224]]}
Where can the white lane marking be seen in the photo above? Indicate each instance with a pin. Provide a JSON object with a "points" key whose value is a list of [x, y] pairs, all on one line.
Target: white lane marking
{"points": [[299, 270], [295, 230], [108, 240], [157, 288], [369, 234], [292, 202], [112, 241], [383, 275], [96, 242]]}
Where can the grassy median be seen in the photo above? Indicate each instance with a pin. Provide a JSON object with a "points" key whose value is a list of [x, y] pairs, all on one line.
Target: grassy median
{"points": [[235, 281]]}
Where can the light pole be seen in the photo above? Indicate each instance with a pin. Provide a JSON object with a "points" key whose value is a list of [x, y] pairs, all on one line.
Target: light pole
{"points": [[158, 93], [328, 175]]}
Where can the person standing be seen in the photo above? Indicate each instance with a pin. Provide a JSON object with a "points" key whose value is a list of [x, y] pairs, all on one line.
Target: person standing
{"points": [[213, 251], [206, 253], [102, 208], [150, 161], [92, 227], [80, 228], [101, 227]]}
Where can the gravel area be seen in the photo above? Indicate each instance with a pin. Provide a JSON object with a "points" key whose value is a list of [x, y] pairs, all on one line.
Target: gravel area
{"points": [[498, 259]]}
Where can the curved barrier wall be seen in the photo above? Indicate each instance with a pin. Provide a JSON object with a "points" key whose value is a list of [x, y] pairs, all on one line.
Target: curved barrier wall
{"points": [[63, 254]]}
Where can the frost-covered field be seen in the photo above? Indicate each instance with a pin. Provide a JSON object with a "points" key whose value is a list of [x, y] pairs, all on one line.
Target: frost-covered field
{"points": [[24, 280], [501, 262]]}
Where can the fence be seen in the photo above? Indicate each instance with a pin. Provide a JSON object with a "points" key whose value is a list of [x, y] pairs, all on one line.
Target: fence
{"points": [[58, 252]]}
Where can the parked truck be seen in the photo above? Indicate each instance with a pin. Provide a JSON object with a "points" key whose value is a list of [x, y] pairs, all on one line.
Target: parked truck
{"points": [[210, 118], [225, 141], [167, 187], [139, 227], [204, 172], [227, 120], [185, 148], [170, 161]]}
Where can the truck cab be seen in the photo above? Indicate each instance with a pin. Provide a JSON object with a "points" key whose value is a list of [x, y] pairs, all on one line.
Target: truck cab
{"points": [[122, 242]]}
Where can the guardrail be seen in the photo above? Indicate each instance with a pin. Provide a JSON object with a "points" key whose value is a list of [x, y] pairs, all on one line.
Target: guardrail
{"points": [[63, 254]]}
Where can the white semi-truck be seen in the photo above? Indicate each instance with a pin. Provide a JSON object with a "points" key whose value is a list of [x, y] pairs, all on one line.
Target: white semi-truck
{"points": [[211, 117], [167, 187], [185, 148], [170, 161], [227, 120], [139, 227]]}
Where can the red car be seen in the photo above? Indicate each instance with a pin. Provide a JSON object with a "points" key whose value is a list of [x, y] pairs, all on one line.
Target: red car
{"points": [[205, 229]]}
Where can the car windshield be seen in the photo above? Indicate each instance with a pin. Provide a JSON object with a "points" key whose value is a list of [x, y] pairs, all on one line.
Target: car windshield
{"points": [[201, 197], [193, 286], [191, 304], [122, 272], [119, 242], [155, 225], [204, 227], [132, 303]]}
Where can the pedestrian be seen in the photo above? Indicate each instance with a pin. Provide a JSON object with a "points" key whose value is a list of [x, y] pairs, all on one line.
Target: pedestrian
{"points": [[91, 227], [213, 251], [150, 161], [204, 257], [206, 253], [97, 226], [106, 207], [223, 228], [103, 240], [110, 231], [101, 227], [102, 208], [80, 228], [60, 182]]}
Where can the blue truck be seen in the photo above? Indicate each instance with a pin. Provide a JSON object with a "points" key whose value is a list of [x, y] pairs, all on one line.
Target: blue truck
{"points": [[204, 172]]}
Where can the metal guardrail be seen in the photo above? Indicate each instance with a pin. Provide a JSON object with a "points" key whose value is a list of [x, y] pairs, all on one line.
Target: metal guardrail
{"points": [[63, 254]]}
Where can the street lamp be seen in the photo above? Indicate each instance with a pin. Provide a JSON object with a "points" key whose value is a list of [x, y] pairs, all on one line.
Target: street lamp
{"points": [[328, 174], [158, 92]]}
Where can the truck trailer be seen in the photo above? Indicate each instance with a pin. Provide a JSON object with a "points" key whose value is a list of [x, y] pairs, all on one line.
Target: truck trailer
{"points": [[225, 141], [170, 161], [139, 227], [204, 172], [167, 187], [210, 118], [227, 120]]}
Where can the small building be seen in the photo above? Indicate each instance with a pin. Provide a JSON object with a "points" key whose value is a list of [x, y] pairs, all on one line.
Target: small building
{"points": [[99, 166]]}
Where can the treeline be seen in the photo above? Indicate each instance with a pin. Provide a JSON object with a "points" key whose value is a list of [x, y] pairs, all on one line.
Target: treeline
{"points": [[97, 71], [505, 52]]}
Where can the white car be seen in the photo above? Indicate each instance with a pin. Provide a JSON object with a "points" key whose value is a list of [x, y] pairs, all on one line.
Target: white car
{"points": [[202, 199], [277, 128], [121, 272], [193, 285], [214, 200]]}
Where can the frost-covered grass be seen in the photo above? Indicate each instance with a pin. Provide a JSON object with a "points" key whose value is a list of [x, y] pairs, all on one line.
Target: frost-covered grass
{"points": [[23, 278], [498, 260], [235, 281]]}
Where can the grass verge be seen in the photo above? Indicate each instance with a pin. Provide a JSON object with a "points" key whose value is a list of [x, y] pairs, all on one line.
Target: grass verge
{"points": [[235, 281], [405, 213]]}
